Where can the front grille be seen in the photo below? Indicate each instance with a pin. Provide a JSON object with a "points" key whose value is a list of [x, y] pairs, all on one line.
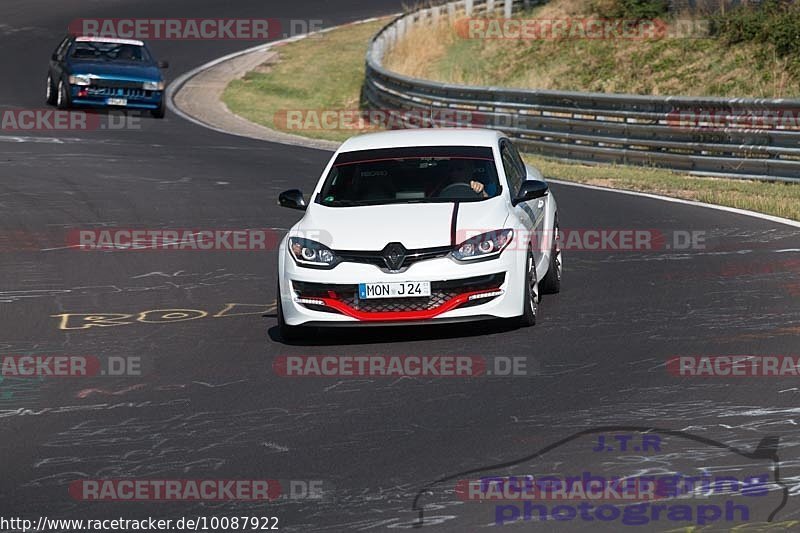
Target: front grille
{"points": [[376, 257], [398, 305], [441, 292], [118, 92]]}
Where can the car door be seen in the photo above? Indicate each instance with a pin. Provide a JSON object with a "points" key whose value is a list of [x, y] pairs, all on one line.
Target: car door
{"points": [[530, 213]]}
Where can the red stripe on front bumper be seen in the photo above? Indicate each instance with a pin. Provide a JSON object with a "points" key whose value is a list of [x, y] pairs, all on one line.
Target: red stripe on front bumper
{"points": [[386, 316]]}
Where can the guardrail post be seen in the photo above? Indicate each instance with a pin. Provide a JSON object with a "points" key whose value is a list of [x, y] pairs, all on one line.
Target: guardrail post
{"points": [[468, 5], [490, 7], [508, 8]]}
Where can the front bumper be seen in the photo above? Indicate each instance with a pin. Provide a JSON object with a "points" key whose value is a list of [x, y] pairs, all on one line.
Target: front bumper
{"points": [[459, 292], [99, 97]]}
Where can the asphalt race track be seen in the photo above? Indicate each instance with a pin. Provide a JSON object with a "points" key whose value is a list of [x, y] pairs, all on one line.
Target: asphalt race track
{"points": [[208, 404]]}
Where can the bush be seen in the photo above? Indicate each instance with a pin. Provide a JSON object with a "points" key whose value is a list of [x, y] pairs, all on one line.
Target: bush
{"points": [[773, 22], [639, 9]]}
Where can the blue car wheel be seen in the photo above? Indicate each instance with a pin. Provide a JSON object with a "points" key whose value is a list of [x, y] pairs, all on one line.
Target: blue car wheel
{"points": [[51, 91], [62, 98]]}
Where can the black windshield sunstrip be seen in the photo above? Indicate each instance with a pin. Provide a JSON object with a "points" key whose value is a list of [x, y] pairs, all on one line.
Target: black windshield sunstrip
{"points": [[415, 152]]}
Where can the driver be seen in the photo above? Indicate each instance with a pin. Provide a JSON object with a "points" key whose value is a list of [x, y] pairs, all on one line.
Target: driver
{"points": [[460, 171], [129, 53]]}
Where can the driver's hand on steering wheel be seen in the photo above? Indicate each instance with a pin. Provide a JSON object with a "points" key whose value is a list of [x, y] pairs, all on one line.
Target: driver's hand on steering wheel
{"points": [[477, 186]]}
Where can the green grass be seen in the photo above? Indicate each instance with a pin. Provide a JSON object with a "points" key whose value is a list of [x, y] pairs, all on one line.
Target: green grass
{"points": [[317, 73], [779, 199], [328, 72]]}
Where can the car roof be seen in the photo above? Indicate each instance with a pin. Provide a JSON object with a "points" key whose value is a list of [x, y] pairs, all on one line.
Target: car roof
{"points": [[88, 39], [422, 137]]}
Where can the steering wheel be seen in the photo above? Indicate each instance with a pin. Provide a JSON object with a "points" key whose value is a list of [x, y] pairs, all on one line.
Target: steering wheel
{"points": [[458, 190]]}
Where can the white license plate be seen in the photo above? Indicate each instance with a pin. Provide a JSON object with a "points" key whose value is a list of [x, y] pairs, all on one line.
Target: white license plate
{"points": [[117, 101], [403, 289]]}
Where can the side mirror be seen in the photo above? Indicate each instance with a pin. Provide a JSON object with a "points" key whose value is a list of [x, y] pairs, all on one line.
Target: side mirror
{"points": [[293, 199], [530, 190], [163, 64]]}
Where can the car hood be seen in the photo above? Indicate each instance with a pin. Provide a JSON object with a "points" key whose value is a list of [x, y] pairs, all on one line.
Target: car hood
{"points": [[413, 225], [146, 72]]}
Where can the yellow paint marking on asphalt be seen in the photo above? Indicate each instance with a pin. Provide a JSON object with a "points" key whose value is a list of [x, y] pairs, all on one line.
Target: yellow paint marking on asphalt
{"points": [[74, 321]]}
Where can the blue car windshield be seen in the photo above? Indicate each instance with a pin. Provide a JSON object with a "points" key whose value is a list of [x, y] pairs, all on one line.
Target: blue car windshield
{"points": [[100, 51]]}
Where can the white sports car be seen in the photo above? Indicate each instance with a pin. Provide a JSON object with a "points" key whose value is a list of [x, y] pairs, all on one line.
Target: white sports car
{"points": [[425, 225]]}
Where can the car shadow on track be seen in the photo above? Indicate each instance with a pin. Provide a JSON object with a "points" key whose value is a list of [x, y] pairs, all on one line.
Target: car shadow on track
{"points": [[392, 334]]}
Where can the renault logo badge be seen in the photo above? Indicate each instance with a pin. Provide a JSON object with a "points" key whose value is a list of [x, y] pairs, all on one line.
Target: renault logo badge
{"points": [[393, 255]]}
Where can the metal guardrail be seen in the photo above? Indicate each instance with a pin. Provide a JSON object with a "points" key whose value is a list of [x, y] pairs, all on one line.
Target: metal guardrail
{"points": [[596, 127]]}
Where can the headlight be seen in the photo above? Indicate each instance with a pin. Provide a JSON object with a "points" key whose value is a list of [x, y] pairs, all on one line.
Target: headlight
{"points": [[311, 253], [153, 86], [483, 246], [80, 80]]}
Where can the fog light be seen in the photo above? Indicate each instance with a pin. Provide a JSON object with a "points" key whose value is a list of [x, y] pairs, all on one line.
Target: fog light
{"points": [[311, 301], [485, 295]]}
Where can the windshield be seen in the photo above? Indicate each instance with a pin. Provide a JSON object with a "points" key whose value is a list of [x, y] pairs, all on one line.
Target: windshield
{"points": [[100, 51], [411, 175]]}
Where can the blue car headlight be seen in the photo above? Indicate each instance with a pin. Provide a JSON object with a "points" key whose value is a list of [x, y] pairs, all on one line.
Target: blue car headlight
{"points": [[484, 246], [80, 79], [153, 86]]}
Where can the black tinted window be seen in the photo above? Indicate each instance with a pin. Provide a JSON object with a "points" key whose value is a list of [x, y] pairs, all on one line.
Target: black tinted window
{"points": [[513, 172], [411, 175], [517, 159], [101, 51]]}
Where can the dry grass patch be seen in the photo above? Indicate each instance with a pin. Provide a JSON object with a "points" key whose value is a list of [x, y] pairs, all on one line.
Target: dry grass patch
{"points": [[688, 66]]}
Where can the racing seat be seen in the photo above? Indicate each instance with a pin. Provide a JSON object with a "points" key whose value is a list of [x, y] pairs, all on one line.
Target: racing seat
{"points": [[129, 53]]}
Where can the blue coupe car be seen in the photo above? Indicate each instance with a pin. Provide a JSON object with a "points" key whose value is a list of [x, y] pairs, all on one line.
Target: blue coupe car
{"points": [[110, 73]]}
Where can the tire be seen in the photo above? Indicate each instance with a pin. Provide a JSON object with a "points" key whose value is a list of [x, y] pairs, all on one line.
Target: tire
{"points": [[62, 96], [551, 283], [50, 94], [160, 112], [288, 333], [530, 303]]}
